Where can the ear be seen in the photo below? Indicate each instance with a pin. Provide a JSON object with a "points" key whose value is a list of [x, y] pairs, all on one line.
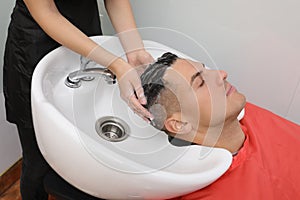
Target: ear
{"points": [[178, 127]]}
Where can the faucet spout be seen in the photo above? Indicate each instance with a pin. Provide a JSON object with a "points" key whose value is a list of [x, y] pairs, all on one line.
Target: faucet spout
{"points": [[74, 79]]}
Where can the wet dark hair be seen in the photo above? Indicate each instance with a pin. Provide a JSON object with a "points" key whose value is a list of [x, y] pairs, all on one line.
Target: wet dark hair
{"points": [[152, 78], [154, 85]]}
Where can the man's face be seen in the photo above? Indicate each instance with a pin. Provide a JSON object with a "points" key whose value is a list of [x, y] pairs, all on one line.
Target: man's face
{"points": [[206, 98]]}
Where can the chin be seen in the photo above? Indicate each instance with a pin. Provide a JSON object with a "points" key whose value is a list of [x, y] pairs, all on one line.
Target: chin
{"points": [[235, 104], [242, 100]]}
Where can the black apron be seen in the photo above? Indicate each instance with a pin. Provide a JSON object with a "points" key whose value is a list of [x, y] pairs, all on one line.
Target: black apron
{"points": [[27, 44]]}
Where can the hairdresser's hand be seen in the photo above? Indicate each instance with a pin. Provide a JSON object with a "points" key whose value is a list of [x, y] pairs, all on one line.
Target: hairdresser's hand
{"points": [[139, 59], [130, 84]]}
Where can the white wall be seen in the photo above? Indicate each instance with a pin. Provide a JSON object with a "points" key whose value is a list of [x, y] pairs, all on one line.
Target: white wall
{"points": [[257, 42], [10, 150]]}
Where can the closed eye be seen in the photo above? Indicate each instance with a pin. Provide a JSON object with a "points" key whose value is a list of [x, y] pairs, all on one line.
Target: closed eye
{"points": [[197, 75], [202, 82]]}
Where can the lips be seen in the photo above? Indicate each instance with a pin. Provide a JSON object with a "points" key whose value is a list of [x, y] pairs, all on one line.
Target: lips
{"points": [[230, 89]]}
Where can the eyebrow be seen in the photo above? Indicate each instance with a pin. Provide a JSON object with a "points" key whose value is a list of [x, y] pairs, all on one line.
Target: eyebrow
{"points": [[197, 74]]}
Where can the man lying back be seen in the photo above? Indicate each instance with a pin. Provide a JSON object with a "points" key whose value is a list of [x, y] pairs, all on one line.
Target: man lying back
{"points": [[199, 106]]}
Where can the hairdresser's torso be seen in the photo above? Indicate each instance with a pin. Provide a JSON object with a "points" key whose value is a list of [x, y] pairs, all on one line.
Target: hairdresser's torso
{"points": [[27, 44], [83, 14]]}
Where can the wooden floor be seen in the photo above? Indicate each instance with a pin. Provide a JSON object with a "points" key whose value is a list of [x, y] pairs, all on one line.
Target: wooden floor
{"points": [[10, 183], [13, 193]]}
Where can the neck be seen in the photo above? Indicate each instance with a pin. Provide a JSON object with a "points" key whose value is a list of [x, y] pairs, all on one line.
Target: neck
{"points": [[230, 136]]}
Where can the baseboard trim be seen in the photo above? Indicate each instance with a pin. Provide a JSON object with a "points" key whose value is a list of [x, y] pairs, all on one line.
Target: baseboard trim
{"points": [[9, 177]]}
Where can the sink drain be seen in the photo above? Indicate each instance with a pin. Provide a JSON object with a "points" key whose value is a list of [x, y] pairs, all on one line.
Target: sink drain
{"points": [[112, 129]]}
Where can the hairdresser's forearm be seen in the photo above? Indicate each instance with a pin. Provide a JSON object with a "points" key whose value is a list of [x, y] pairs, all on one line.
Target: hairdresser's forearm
{"points": [[121, 16], [61, 30]]}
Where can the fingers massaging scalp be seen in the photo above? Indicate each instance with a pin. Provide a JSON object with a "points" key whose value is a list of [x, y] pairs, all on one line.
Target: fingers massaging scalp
{"points": [[152, 82]]}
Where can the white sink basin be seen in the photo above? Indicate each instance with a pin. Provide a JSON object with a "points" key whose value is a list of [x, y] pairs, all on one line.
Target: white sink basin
{"points": [[142, 166]]}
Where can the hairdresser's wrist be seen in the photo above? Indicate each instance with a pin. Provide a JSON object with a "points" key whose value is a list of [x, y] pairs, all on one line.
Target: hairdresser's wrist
{"points": [[119, 67]]}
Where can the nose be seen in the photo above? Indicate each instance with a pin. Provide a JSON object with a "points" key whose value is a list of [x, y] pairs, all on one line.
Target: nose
{"points": [[223, 74]]}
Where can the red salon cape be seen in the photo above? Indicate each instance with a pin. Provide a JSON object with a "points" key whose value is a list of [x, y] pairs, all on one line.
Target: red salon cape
{"points": [[268, 165]]}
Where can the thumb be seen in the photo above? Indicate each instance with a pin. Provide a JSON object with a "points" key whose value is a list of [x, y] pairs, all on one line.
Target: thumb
{"points": [[139, 91]]}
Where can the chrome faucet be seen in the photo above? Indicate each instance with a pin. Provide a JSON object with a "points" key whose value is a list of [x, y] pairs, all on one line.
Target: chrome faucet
{"points": [[87, 72]]}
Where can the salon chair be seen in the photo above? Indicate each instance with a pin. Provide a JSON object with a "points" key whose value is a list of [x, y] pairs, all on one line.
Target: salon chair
{"points": [[62, 190]]}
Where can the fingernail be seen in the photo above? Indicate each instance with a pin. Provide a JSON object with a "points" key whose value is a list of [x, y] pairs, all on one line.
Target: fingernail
{"points": [[146, 120], [143, 101], [152, 123], [149, 121]]}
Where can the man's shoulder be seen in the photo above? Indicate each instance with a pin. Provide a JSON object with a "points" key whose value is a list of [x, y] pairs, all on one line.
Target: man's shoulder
{"points": [[252, 109], [264, 124], [262, 115]]}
